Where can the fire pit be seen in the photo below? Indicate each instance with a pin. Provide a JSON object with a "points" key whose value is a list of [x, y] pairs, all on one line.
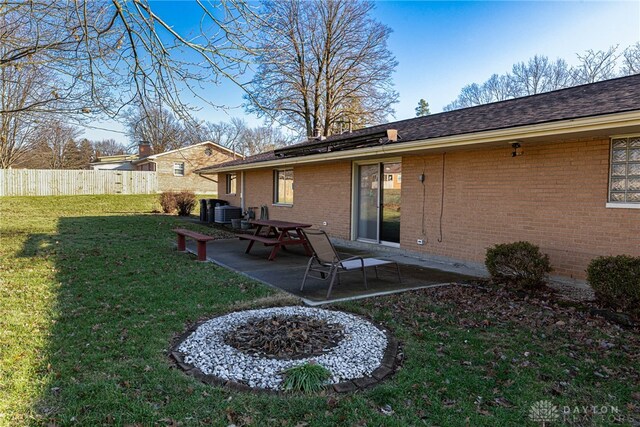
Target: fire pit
{"points": [[255, 347]]}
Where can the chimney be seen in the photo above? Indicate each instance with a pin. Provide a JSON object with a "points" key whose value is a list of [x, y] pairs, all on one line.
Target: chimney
{"points": [[144, 149]]}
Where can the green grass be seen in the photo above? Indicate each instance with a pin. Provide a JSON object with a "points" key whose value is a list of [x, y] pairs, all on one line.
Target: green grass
{"points": [[306, 378], [92, 293]]}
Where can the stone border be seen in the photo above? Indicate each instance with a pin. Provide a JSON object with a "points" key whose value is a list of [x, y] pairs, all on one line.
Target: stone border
{"points": [[388, 366]]}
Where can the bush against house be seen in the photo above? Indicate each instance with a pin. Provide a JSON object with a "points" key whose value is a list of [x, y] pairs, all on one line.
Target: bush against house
{"points": [[616, 281], [519, 263]]}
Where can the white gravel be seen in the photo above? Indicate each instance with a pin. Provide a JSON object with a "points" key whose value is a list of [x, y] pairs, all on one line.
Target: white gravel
{"points": [[357, 355]]}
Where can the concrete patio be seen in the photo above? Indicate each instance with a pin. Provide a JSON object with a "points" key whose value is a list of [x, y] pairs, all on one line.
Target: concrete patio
{"points": [[287, 270]]}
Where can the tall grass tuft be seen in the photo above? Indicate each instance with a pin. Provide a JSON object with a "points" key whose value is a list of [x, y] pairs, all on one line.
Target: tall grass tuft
{"points": [[306, 378]]}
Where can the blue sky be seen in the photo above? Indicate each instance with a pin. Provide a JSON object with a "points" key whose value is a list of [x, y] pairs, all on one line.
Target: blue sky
{"points": [[442, 46]]}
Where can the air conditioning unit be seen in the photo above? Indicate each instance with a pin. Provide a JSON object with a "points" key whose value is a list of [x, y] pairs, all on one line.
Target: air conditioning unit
{"points": [[224, 214]]}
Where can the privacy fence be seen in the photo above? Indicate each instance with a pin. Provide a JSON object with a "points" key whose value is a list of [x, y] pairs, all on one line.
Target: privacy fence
{"points": [[36, 182]]}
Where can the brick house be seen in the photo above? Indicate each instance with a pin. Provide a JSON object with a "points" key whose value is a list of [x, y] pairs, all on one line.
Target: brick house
{"points": [[176, 168], [559, 169]]}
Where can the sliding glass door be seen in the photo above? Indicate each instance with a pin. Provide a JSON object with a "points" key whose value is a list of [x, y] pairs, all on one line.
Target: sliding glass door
{"points": [[378, 202], [368, 202], [390, 206]]}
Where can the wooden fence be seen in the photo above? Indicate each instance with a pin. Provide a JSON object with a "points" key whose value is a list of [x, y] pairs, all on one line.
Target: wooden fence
{"points": [[36, 182]]}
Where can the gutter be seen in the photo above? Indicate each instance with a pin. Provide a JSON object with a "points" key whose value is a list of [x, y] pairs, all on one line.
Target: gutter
{"points": [[590, 124]]}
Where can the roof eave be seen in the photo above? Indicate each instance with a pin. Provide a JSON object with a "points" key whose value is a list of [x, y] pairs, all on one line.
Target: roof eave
{"points": [[149, 159], [562, 127], [217, 146]]}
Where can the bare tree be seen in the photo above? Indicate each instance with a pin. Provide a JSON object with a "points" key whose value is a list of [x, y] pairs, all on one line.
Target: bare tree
{"points": [[103, 55], [264, 138], [470, 95], [539, 75], [631, 60], [596, 66], [499, 88], [54, 148], [238, 136], [529, 78], [227, 134], [107, 147], [17, 131], [156, 125], [21, 85], [323, 62], [558, 75]]}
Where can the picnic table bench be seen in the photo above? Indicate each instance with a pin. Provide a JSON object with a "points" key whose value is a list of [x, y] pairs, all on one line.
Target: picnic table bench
{"points": [[279, 234], [202, 240]]}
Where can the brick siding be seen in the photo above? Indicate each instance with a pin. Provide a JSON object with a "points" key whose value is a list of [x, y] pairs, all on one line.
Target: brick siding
{"points": [[553, 196], [193, 158], [321, 193]]}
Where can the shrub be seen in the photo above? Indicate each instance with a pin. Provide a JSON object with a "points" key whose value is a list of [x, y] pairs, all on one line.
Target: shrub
{"points": [[519, 263], [616, 280], [185, 202], [306, 378], [168, 202]]}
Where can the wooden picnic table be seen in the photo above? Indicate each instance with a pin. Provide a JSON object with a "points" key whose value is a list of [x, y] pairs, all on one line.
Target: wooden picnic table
{"points": [[278, 234]]}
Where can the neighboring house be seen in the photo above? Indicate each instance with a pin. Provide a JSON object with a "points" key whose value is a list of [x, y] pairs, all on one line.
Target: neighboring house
{"points": [[559, 169], [121, 161], [118, 162], [176, 169]]}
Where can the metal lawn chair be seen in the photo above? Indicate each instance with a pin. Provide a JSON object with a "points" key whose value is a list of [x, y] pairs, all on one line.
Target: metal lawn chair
{"points": [[329, 265]]}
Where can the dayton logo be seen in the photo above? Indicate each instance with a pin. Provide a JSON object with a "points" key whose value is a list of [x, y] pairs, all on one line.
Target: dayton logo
{"points": [[543, 411]]}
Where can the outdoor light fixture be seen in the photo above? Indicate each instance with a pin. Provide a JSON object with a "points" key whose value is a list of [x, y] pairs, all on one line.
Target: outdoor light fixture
{"points": [[517, 149]]}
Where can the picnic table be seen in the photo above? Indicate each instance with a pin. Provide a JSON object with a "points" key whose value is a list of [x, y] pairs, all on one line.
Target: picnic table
{"points": [[278, 234]]}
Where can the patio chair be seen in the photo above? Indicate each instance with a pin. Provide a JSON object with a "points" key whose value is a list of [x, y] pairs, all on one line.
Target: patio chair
{"points": [[326, 261]]}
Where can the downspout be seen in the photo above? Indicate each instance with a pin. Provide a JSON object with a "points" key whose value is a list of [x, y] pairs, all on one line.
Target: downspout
{"points": [[242, 188], [201, 175]]}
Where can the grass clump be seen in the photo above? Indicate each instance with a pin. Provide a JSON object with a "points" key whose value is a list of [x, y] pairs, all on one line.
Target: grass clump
{"points": [[306, 378], [520, 264]]}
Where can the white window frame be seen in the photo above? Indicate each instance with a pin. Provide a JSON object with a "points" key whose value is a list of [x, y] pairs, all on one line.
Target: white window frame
{"points": [[616, 204], [178, 169], [231, 178], [276, 193]]}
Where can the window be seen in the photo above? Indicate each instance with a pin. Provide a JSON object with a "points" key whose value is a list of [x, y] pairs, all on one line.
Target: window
{"points": [[283, 187], [624, 178], [231, 183], [178, 169]]}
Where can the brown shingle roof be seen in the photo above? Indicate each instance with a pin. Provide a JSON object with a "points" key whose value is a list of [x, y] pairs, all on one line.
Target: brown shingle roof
{"points": [[595, 99]]}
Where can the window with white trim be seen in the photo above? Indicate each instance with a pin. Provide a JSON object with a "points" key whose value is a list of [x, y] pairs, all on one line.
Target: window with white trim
{"points": [[624, 170], [231, 183], [178, 169], [283, 186]]}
